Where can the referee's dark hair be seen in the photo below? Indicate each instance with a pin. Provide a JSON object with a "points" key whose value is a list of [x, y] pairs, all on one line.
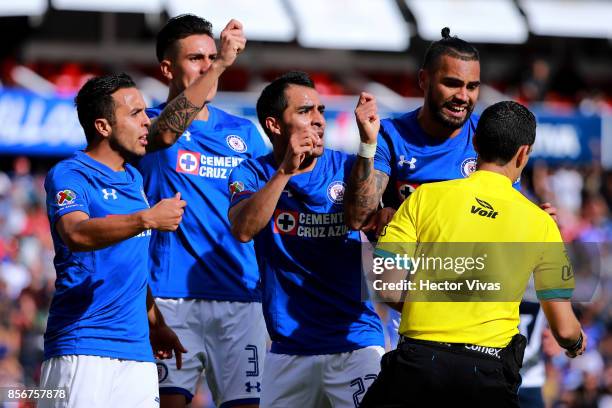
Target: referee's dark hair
{"points": [[177, 28], [501, 130], [452, 46], [272, 101], [95, 101]]}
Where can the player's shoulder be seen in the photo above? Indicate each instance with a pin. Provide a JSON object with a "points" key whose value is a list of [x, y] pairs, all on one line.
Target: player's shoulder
{"points": [[258, 163], [403, 129], [337, 159], [400, 122], [155, 111], [68, 172], [69, 167], [229, 120]]}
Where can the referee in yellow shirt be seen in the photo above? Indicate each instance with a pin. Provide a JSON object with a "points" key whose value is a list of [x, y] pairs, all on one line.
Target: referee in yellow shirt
{"points": [[468, 353]]}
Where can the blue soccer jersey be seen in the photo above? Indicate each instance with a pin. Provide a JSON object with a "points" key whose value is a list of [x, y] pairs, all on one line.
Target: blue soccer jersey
{"points": [[99, 306], [310, 261], [202, 259], [410, 157]]}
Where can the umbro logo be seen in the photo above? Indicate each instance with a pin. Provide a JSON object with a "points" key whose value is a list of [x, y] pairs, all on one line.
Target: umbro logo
{"points": [[484, 209], [411, 162]]}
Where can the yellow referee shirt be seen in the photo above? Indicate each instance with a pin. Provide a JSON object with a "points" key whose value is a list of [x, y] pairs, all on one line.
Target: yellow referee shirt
{"points": [[487, 215]]}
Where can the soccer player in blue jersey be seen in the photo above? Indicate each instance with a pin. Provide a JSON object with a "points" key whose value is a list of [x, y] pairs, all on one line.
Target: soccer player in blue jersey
{"points": [[97, 338], [206, 283], [326, 341]]}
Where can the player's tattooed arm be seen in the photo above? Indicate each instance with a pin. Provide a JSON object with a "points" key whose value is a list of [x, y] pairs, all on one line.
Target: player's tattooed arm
{"points": [[364, 192], [366, 185], [182, 110], [172, 122]]}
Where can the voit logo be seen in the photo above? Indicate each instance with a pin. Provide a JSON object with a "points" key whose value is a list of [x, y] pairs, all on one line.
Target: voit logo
{"points": [[484, 209]]}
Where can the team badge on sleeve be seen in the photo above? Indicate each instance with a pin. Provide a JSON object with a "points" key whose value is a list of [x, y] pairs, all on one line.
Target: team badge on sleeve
{"points": [[468, 166], [236, 143], [65, 197], [236, 187], [335, 192]]}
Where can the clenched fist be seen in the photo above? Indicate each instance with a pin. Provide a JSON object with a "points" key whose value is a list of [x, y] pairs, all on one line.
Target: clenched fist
{"points": [[233, 42], [167, 214], [300, 146], [367, 117]]}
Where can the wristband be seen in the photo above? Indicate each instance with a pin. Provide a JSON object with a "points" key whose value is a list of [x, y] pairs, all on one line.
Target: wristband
{"points": [[577, 346], [366, 150]]}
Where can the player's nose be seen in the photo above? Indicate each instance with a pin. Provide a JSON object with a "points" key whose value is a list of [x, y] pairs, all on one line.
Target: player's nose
{"points": [[146, 122], [318, 119], [205, 65], [462, 94]]}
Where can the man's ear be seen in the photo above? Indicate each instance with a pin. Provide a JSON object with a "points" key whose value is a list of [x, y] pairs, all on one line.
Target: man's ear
{"points": [[522, 156], [423, 79], [103, 127], [166, 69], [273, 125]]}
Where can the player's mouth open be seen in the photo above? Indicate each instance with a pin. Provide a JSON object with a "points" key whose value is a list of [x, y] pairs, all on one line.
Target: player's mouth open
{"points": [[143, 140], [455, 110]]}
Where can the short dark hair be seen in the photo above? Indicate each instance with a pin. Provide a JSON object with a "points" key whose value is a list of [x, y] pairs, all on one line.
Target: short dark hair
{"points": [[177, 28], [452, 46], [502, 129], [95, 100], [272, 101]]}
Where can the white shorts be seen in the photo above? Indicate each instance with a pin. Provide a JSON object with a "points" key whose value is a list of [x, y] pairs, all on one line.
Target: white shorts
{"points": [[329, 380], [225, 340], [93, 382]]}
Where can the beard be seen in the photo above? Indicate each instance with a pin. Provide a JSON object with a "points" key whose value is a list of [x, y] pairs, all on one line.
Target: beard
{"points": [[446, 121], [125, 152]]}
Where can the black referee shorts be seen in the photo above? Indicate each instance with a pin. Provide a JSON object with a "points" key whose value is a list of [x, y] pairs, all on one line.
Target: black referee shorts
{"points": [[429, 374]]}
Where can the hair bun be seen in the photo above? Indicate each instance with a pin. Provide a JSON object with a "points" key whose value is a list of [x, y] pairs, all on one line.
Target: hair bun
{"points": [[446, 32]]}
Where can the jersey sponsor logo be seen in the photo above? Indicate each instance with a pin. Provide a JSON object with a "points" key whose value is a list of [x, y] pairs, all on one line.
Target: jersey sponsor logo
{"points": [[411, 163], [236, 143], [310, 225], [484, 209], [65, 197], [198, 164], [285, 222], [468, 166], [162, 371], [188, 162], [404, 188], [235, 188], [109, 193], [335, 192]]}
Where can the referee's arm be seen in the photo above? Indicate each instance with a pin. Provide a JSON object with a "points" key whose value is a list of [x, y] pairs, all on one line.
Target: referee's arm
{"points": [[564, 326]]}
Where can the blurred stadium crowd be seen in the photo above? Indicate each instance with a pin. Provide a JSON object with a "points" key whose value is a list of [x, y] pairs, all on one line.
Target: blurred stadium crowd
{"points": [[554, 80]]}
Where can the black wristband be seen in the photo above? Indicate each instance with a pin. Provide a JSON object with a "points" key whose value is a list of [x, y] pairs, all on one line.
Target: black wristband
{"points": [[577, 346]]}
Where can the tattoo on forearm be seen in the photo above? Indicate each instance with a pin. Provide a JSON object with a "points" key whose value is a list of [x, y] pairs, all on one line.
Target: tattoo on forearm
{"points": [[365, 189], [177, 116]]}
